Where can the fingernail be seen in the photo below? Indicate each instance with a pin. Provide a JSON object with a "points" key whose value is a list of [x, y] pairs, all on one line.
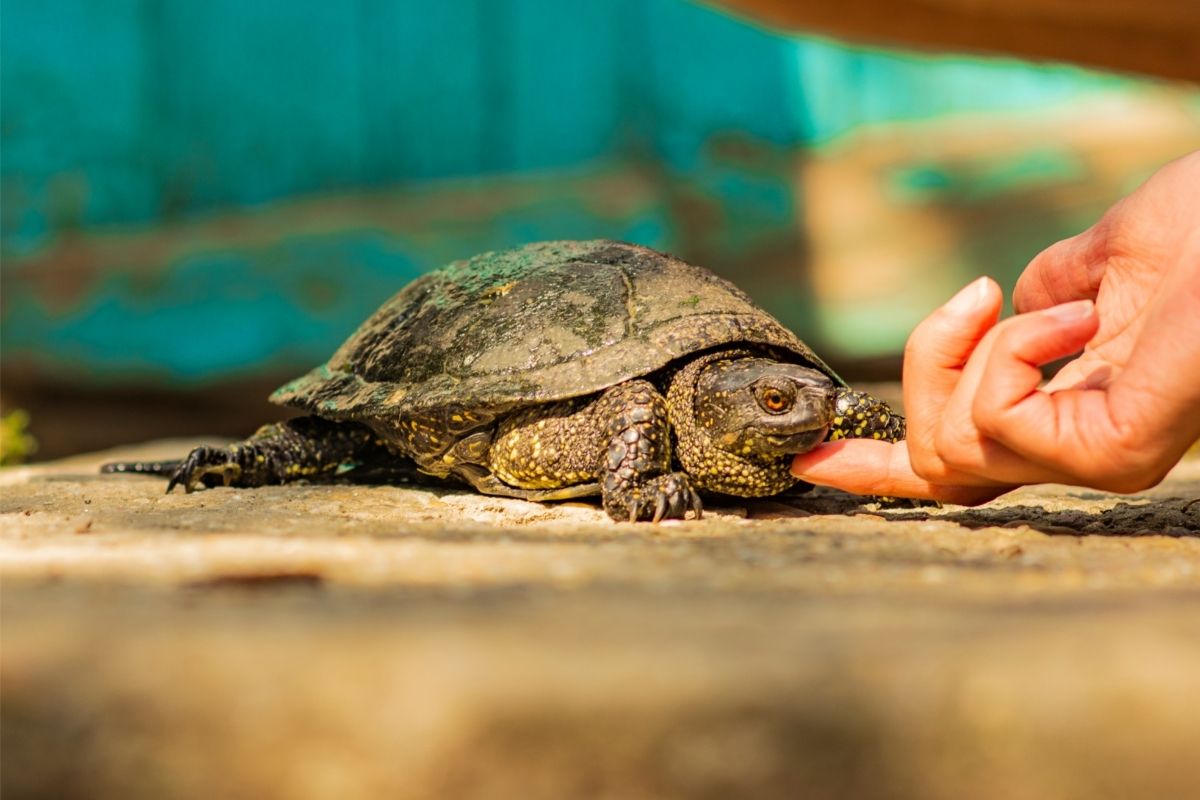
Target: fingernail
{"points": [[1071, 312], [969, 298]]}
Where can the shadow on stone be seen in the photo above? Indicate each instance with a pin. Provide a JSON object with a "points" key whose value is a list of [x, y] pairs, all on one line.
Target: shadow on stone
{"points": [[1175, 516]]}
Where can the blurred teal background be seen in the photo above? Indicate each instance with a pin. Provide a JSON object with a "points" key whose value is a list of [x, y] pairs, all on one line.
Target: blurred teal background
{"points": [[202, 198]]}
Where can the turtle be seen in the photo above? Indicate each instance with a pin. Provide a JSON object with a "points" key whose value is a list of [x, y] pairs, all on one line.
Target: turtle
{"points": [[554, 371]]}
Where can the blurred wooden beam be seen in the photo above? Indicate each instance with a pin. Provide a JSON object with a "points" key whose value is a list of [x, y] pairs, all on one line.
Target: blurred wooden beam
{"points": [[1160, 38]]}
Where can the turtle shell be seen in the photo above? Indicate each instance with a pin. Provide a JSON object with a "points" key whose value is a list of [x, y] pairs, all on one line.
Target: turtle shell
{"points": [[539, 323]]}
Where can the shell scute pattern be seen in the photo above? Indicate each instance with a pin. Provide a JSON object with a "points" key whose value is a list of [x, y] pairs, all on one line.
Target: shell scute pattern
{"points": [[538, 324]]}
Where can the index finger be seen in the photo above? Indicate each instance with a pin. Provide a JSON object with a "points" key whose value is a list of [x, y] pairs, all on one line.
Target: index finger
{"points": [[935, 356]]}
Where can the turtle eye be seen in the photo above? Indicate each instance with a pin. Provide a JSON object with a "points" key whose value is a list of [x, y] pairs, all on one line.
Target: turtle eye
{"points": [[774, 400]]}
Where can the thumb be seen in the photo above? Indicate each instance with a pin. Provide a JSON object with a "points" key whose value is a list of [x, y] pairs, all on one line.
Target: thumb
{"points": [[1065, 271]]}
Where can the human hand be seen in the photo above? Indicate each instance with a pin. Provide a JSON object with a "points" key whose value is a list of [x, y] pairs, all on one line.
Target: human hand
{"points": [[1117, 417]]}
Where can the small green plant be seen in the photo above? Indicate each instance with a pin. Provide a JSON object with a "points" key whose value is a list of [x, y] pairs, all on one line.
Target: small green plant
{"points": [[16, 444]]}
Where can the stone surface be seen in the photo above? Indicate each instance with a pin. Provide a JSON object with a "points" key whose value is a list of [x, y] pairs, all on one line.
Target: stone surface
{"points": [[373, 641]]}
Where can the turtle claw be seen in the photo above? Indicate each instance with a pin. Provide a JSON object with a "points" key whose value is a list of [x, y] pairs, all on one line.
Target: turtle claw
{"points": [[673, 496], [660, 507], [202, 464], [678, 504]]}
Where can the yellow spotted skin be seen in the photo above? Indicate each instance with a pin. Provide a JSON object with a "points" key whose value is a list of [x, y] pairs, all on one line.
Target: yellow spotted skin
{"points": [[621, 439], [546, 447], [426, 436], [710, 466], [858, 415]]}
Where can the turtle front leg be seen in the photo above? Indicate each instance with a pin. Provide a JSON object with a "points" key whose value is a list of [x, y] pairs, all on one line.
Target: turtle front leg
{"points": [[307, 447], [622, 439], [636, 481], [858, 415]]}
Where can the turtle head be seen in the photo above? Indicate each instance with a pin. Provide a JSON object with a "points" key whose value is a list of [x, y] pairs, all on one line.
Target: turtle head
{"points": [[759, 407]]}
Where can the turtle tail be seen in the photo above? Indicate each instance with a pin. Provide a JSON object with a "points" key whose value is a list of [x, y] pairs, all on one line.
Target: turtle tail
{"points": [[163, 469]]}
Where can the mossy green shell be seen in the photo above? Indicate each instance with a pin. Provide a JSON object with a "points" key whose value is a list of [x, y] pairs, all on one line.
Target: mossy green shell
{"points": [[540, 323]]}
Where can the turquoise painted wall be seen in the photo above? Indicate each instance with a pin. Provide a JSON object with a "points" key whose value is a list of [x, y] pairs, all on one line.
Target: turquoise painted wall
{"points": [[177, 177]]}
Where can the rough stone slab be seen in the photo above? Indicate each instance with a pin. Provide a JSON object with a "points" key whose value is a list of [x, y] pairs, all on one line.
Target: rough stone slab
{"points": [[356, 641]]}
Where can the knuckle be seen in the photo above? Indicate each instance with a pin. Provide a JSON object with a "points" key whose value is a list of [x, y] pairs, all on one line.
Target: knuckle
{"points": [[924, 463], [948, 456], [1007, 334], [987, 417], [953, 450]]}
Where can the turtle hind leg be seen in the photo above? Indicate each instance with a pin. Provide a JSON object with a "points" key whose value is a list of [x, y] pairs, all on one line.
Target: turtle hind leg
{"points": [[306, 447], [619, 444]]}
